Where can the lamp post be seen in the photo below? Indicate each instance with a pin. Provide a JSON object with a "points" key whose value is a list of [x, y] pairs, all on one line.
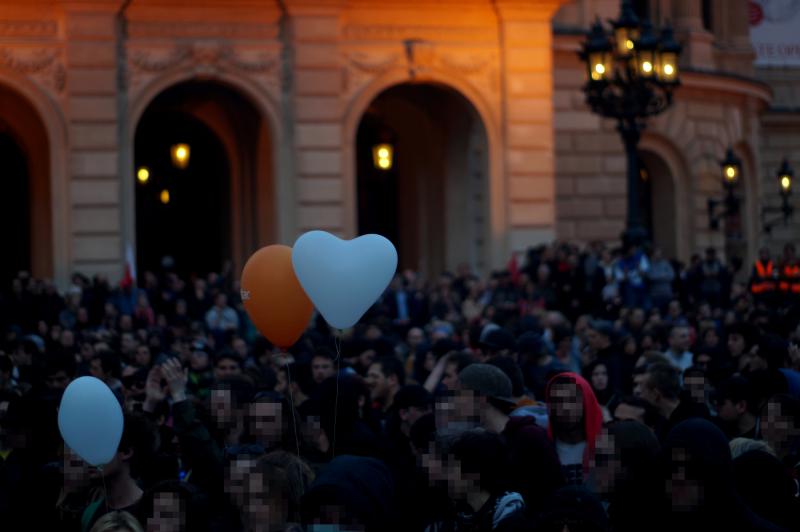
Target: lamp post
{"points": [[731, 172], [785, 178], [632, 74]]}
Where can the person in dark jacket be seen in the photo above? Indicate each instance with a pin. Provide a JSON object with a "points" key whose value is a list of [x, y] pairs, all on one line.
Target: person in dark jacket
{"points": [[767, 488], [351, 492], [699, 483]]}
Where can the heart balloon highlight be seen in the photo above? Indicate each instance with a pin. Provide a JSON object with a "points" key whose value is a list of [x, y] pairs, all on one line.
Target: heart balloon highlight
{"points": [[343, 278]]}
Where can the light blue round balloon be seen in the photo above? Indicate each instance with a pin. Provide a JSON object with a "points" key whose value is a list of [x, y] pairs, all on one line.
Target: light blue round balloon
{"points": [[90, 420], [343, 278]]}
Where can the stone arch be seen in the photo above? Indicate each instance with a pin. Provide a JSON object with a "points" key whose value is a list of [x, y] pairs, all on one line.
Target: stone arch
{"points": [[658, 152], [255, 182], [360, 101], [750, 192], [54, 255]]}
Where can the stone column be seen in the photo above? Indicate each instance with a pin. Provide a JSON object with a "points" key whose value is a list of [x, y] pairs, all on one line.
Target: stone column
{"points": [[319, 194], [528, 212], [735, 50], [94, 183], [697, 41]]}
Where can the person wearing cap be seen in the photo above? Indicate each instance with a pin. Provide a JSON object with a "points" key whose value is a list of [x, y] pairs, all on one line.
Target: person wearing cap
{"points": [[736, 409], [496, 342], [485, 399]]}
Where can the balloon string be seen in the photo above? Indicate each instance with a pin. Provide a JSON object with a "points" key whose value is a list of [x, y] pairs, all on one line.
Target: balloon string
{"points": [[105, 490], [291, 403], [338, 345]]}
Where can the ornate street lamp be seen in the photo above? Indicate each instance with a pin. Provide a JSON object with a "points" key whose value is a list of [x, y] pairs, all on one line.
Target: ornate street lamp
{"points": [[785, 177], [631, 75], [731, 172]]}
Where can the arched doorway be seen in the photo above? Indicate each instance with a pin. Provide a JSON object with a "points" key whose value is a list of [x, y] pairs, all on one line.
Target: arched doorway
{"points": [[657, 201], [433, 201], [219, 206], [25, 207]]}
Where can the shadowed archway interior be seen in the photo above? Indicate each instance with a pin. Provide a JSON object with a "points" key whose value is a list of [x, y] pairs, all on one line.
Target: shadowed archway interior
{"points": [[433, 202], [25, 198], [657, 197], [220, 206]]}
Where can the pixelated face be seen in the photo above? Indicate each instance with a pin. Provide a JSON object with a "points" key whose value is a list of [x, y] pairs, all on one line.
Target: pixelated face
{"points": [[169, 515], [450, 379], [736, 344], [321, 368], [606, 466], [565, 405], [76, 471], [685, 492], [265, 421], [696, 386], [445, 471], [243, 481], [600, 377], [458, 410], [226, 368], [377, 383], [222, 407], [778, 429]]}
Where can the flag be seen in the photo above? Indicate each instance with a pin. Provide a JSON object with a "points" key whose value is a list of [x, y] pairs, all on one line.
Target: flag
{"points": [[129, 277]]}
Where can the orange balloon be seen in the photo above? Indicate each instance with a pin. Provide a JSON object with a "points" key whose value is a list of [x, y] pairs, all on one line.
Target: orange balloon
{"points": [[273, 297]]}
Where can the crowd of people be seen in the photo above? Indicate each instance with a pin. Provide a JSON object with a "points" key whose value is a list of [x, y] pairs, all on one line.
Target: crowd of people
{"points": [[581, 389]]}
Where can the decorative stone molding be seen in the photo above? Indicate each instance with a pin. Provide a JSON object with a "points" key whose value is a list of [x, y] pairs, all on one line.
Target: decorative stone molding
{"points": [[210, 29], [44, 65], [419, 58], [432, 33], [205, 57], [28, 28]]}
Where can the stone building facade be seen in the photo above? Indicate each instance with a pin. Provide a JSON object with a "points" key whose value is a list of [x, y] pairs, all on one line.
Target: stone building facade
{"points": [[495, 148]]}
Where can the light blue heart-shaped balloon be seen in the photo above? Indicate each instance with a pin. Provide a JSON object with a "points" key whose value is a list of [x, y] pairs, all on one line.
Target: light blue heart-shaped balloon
{"points": [[343, 278]]}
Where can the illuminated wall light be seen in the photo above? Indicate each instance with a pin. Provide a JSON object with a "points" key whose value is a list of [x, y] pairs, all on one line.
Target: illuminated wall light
{"points": [[180, 155], [143, 175], [165, 196]]}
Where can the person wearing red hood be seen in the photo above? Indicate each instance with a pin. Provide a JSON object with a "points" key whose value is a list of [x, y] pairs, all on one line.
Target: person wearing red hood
{"points": [[575, 422]]}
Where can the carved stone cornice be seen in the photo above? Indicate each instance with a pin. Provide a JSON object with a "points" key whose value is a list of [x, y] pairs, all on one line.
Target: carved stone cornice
{"points": [[43, 65], [28, 28], [201, 29], [204, 57], [358, 32]]}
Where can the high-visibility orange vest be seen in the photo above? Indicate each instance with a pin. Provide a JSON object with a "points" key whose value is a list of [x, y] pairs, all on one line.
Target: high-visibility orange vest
{"points": [[763, 279], [790, 278]]}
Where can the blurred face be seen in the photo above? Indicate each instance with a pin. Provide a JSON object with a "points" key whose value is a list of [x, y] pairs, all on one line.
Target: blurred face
{"points": [[221, 300], [142, 356], [674, 309], [414, 338], [637, 317], [596, 340], [679, 339], [565, 406], [685, 492], [57, 381], [128, 343], [240, 347], [96, 369], [366, 358], [169, 515], [282, 386], [727, 410], [450, 379], [266, 422], [321, 368], [430, 361], [199, 361], [126, 323], [600, 377], [377, 383], [227, 368], [648, 392], [736, 345], [711, 338], [67, 339]]}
